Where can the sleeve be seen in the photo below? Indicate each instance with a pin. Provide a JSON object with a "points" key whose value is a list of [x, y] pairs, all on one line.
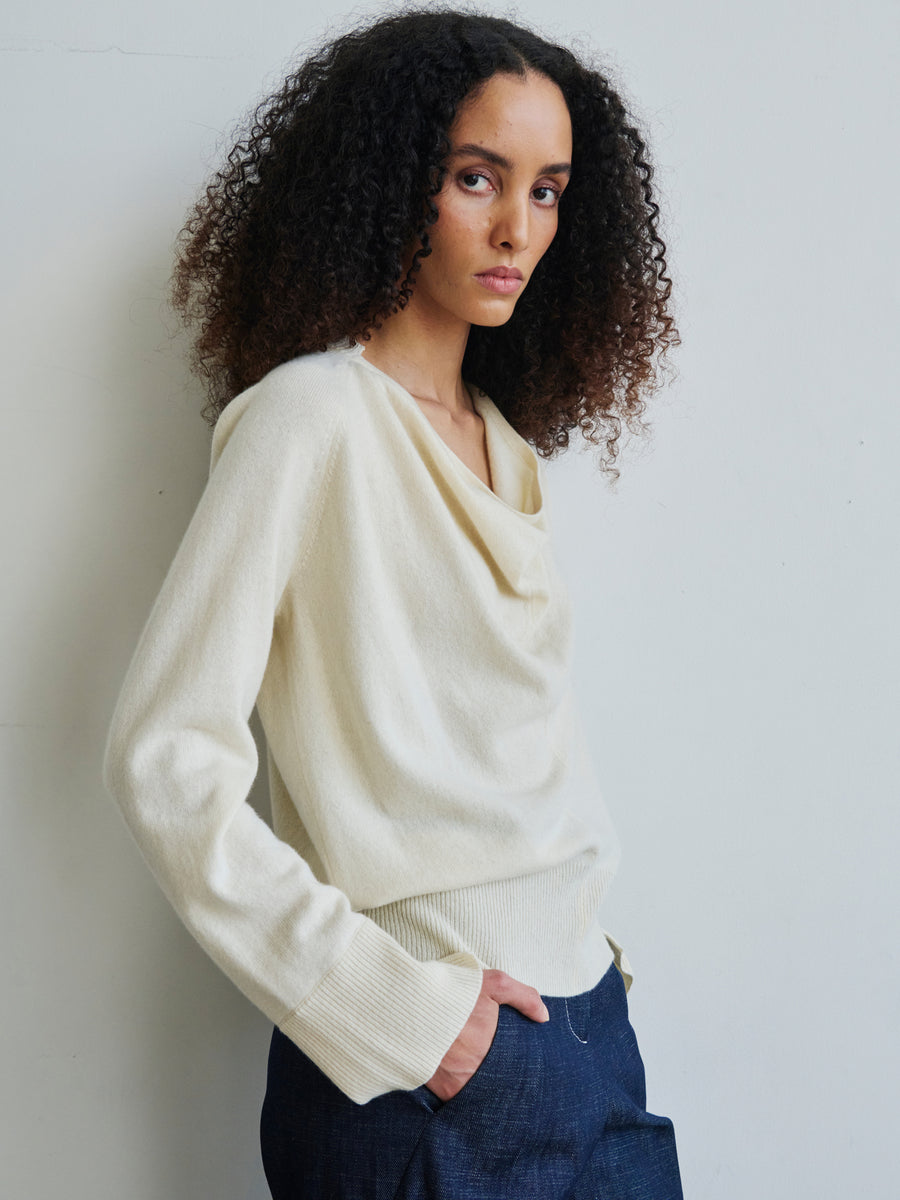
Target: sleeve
{"points": [[180, 760]]}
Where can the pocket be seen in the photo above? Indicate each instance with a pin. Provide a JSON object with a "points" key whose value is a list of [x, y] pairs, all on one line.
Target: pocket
{"points": [[425, 1096], [481, 1074], [484, 1072]]}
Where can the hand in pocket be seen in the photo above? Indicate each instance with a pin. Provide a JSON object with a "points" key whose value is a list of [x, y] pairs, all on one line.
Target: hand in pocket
{"points": [[469, 1050]]}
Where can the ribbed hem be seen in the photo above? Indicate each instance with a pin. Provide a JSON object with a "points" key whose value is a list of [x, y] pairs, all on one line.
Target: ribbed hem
{"points": [[380, 1020], [542, 928], [620, 958]]}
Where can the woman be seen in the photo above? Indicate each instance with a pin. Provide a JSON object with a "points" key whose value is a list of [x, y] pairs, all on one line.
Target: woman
{"points": [[434, 252]]}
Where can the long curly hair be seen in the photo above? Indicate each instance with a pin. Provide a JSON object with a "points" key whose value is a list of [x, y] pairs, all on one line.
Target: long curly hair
{"points": [[302, 238]]}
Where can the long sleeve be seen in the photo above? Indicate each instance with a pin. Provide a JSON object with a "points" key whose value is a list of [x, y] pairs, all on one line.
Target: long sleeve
{"points": [[180, 761]]}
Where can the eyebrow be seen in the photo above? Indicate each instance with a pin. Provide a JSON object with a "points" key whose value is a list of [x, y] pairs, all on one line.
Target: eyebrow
{"points": [[474, 150]]}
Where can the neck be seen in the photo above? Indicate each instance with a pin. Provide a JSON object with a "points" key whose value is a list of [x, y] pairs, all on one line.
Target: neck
{"points": [[423, 354]]}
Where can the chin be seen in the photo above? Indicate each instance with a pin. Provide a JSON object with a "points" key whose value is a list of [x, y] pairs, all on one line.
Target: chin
{"points": [[492, 318], [487, 323]]}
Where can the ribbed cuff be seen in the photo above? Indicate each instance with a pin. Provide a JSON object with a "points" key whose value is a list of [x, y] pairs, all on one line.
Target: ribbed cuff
{"points": [[380, 1020]]}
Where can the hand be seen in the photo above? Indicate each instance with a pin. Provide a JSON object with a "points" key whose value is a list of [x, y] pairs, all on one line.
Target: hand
{"points": [[469, 1050]]}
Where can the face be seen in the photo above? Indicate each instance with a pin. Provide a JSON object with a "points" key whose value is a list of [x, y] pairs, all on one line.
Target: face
{"points": [[511, 148]]}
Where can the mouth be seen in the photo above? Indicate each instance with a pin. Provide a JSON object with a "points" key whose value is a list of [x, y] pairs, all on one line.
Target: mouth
{"points": [[502, 280]]}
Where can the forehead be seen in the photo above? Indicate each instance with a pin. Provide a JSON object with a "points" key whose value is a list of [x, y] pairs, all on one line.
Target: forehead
{"points": [[527, 112]]}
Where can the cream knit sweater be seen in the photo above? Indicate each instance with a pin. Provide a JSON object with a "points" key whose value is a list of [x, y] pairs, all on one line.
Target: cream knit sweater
{"points": [[406, 638]]}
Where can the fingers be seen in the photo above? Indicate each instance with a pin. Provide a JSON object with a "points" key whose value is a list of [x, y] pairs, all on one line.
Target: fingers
{"points": [[506, 990]]}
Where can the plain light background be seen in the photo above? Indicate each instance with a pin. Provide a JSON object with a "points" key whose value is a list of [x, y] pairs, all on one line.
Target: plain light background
{"points": [[736, 594]]}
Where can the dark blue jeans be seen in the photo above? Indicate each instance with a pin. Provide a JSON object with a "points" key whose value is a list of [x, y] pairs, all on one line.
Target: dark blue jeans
{"points": [[555, 1112]]}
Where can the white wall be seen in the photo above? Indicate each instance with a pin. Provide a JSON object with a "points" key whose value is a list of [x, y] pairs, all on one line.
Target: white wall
{"points": [[736, 596]]}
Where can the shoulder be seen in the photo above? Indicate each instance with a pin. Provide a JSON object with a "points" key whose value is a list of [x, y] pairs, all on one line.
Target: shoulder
{"points": [[299, 406]]}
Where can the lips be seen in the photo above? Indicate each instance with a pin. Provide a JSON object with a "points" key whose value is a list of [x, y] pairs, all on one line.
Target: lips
{"points": [[503, 280]]}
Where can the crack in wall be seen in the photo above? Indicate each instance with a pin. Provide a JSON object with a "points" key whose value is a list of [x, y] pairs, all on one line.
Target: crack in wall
{"points": [[42, 47]]}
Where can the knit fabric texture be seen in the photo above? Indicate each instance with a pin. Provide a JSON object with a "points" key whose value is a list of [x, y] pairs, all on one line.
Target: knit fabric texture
{"points": [[404, 632]]}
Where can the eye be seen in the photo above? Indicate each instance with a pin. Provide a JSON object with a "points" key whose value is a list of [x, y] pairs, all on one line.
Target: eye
{"points": [[474, 181], [546, 196]]}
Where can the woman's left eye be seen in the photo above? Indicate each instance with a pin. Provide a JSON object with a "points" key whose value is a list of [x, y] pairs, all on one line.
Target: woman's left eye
{"points": [[546, 196]]}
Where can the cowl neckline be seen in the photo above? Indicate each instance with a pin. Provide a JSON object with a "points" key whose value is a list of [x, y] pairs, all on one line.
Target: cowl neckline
{"points": [[510, 519], [514, 465]]}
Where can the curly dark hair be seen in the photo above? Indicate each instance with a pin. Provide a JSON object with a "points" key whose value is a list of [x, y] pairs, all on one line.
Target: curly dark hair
{"points": [[300, 240]]}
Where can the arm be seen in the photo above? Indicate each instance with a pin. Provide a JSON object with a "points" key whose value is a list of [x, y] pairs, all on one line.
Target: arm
{"points": [[180, 761]]}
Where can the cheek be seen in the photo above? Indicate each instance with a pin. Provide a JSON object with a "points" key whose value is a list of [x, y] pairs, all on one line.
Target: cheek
{"points": [[455, 232], [547, 234], [541, 243], [465, 233]]}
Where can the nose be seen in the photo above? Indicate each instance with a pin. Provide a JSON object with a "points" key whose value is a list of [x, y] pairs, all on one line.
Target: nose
{"points": [[512, 217]]}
